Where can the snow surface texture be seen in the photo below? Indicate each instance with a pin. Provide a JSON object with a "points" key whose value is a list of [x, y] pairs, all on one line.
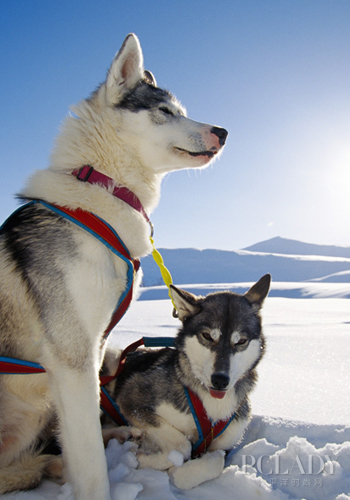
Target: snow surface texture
{"points": [[298, 450]]}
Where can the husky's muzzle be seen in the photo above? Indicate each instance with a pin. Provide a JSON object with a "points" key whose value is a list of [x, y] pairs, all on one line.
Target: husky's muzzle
{"points": [[214, 139], [221, 134], [219, 382]]}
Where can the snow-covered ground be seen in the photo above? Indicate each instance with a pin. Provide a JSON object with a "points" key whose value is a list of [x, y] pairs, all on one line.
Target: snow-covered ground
{"points": [[298, 444]]}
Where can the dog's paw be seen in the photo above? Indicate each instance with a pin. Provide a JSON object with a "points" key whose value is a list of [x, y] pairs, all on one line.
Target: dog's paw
{"points": [[135, 434], [54, 470], [195, 472], [122, 434]]}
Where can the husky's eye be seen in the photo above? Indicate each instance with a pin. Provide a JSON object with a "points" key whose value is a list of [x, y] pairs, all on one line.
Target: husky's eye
{"points": [[241, 341], [207, 336], [166, 110]]}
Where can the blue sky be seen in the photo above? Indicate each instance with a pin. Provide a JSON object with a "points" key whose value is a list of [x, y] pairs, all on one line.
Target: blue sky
{"points": [[274, 73]]}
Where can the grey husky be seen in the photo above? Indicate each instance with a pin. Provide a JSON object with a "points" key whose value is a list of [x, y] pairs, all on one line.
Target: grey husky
{"points": [[215, 357], [60, 285]]}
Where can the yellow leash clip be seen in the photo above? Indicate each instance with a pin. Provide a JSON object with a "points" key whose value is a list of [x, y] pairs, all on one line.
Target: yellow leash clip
{"points": [[164, 271]]}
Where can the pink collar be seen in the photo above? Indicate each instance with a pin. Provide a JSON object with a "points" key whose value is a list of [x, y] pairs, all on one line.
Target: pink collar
{"points": [[92, 176]]}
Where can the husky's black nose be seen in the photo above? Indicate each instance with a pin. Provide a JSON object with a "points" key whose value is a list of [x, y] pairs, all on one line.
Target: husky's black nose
{"points": [[220, 381], [221, 133]]}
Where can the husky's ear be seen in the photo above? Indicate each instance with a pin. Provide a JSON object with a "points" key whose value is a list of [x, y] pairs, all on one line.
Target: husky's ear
{"points": [[126, 69], [186, 303], [149, 78], [258, 292]]}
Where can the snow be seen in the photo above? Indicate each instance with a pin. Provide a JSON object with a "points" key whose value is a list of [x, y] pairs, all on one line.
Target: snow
{"points": [[189, 265], [297, 446], [292, 290], [280, 245], [342, 276], [176, 458]]}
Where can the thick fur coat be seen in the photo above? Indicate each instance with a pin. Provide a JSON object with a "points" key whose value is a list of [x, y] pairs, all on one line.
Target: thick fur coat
{"points": [[215, 356], [59, 285]]}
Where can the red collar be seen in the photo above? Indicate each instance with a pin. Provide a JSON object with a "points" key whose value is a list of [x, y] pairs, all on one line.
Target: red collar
{"points": [[92, 176]]}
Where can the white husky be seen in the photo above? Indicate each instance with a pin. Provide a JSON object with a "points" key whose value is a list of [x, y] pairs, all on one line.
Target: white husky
{"points": [[60, 285]]}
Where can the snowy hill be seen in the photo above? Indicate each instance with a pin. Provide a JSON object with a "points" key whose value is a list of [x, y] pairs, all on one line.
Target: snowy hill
{"points": [[342, 277], [188, 265], [280, 245], [289, 290]]}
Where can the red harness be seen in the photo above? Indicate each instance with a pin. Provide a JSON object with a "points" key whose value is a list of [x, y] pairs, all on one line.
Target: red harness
{"points": [[207, 431], [106, 234], [108, 404]]}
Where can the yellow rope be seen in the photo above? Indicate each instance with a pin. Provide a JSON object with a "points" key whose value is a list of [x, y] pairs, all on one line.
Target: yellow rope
{"points": [[163, 270]]}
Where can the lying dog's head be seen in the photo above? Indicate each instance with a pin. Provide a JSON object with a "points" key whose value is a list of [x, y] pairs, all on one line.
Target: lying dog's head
{"points": [[221, 339]]}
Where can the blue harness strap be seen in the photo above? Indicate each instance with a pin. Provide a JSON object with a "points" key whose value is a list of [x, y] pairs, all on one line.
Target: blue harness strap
{"points": [[108, 404], [12, 366], [105, 233], [207, 431], [110, 408], [101, 230]]}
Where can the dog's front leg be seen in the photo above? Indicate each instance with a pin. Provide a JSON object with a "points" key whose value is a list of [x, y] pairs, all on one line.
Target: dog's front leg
{"points": [[195, 472], [76, 393], [158, 442]]}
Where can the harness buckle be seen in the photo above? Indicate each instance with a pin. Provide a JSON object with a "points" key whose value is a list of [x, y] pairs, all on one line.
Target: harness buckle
{"points": [[85, 177]]}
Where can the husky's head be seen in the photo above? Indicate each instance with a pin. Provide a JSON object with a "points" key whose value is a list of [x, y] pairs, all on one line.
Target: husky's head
{"points": [[150, 120], [221, 340]]}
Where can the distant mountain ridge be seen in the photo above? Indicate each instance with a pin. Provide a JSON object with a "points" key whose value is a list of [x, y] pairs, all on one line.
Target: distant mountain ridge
{"points": [[192, 266], [293, 247]]}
